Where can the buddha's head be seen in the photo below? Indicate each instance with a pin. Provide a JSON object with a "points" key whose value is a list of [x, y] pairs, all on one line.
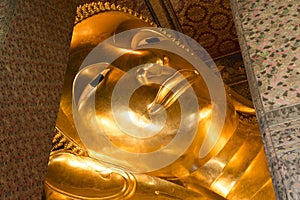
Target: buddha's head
{"points": [[142, 98]]}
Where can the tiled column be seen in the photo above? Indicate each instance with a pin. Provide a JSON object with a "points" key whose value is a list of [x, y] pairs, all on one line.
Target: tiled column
{"points": [[7, 8], [34, 43], [269, 34]]}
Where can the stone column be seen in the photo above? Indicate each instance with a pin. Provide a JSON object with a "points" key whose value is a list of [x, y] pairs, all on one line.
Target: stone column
{"points": [[269, 35], [34, 43]]}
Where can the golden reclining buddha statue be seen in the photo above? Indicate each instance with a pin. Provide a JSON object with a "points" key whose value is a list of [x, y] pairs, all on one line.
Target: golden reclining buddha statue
{"points": [[144, 124]]}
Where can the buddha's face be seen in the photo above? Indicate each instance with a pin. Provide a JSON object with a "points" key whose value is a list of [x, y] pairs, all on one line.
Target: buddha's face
{"points": [[153, 110]]}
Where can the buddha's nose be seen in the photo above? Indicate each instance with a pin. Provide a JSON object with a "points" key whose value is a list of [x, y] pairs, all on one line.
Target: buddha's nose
{"points": [[172, 88]]}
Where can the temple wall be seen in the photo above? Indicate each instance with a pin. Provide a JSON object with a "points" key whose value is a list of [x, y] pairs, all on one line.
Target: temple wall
{"points": [[270, 42]]}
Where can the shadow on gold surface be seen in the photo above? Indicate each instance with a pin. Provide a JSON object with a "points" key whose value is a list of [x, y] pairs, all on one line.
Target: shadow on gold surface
{"points": [[235, 168]]}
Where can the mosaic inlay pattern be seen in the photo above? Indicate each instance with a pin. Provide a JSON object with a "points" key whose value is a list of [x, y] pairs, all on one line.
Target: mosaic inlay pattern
{"points": [[269, 37], [276, 56]]}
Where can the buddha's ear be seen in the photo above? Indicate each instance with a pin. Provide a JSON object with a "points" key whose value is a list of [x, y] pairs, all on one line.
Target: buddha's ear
{"points": [[74, 177]]}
